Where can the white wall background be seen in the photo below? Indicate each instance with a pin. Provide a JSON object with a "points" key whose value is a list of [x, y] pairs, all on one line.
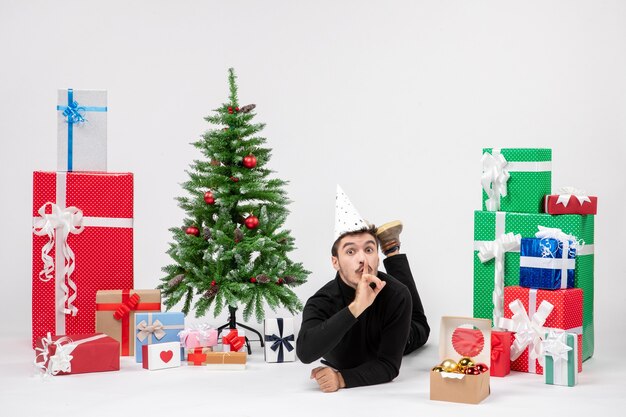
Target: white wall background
{"points": [[394, 100]]}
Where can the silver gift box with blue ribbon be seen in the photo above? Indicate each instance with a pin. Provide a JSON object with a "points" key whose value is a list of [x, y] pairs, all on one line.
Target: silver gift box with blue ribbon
{"points": [[81, 130], [546, 263]]}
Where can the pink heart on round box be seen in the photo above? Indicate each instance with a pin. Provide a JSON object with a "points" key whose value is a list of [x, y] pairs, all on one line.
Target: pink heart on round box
{"points": [[198, 336]]}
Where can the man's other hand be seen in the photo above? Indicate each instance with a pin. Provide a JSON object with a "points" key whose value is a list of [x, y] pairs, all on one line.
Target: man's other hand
{"points": [[328, 379]]}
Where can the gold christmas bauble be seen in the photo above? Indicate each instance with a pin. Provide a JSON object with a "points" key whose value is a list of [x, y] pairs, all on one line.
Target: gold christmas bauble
{"points": [[438, 369], [465, 363], [448, 365]]}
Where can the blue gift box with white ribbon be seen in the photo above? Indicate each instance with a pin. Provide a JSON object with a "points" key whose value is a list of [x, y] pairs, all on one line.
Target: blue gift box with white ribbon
{"points": [[280, 342], [81, 130], [547, 263], [153, 328]]}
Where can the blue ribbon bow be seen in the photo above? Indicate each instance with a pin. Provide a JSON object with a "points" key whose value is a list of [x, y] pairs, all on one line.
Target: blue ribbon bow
{"points": [[279, 341], [74, 113]]}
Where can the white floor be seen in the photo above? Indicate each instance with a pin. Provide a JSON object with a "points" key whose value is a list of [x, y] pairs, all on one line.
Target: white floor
{"points": [[285, 390]]}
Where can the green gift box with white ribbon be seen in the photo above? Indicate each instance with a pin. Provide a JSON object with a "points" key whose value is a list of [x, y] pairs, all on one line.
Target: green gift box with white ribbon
{"points": [[560, 352], [516, 179], [496, 241]]}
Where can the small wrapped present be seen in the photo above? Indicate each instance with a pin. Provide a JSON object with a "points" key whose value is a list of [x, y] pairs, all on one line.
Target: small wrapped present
{"points": [[156, 328], [279, 340], [500, 353], [77, 354], [226, 360], [160, 356], [233, 340], [488, 226], [516, 179], [115, 314], [82, 242], [570, 200], [530, 313], [549, 260], [82, 130], [463, 375], [197, 356], [560, 350], [197, 336]]}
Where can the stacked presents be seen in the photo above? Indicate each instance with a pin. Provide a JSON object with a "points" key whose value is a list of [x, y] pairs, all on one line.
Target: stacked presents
{"points": [[533, 264], [85, 312], [82, 237], [533, 279]]}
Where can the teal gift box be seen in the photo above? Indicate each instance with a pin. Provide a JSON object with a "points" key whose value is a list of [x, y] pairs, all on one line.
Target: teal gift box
{"points": [[561, 353], [489, 225], [152, 328], [516, 179]]}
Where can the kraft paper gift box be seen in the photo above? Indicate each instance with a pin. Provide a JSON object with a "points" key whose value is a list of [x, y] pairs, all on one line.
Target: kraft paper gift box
{"points": [[81, 130], [160, 356], [560, 356], [516, 179], [152, 328], [82, 243], [461, 388], [226, 360], [489, 225], [280, 341], [77, 354], [570, 201], [197, 356], [547, 264], [115, 314], [565, 315]]}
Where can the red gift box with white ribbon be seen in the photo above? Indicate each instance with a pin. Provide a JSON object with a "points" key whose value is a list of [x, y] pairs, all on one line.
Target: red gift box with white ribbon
{"points": [[82, 243], [530, 313], [77, 354], [570, 200]]}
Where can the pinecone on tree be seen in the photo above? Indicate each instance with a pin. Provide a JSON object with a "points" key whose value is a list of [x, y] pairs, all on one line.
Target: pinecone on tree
{"points": [[262, 279], [238, 235], [210, 293], [206, 233], [289, 279], [176, 280], [247, 108]]}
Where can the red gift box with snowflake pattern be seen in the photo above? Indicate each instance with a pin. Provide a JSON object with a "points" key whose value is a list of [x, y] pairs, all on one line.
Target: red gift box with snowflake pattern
{"points": [[82, 243], [567, 315]]}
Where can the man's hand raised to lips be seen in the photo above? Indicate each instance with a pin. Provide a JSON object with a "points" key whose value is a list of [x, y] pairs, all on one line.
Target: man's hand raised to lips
{"points": [[366, 291]]}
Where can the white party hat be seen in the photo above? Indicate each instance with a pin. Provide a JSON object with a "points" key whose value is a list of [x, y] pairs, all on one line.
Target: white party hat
{"points": [[347, 219]]}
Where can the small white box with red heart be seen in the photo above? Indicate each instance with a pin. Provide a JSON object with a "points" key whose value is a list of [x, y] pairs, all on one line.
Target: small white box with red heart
{"points": [[161, 355]]}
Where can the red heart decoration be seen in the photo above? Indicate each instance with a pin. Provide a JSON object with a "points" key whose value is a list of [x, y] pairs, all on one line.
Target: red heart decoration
{"points": [[167, 356]]}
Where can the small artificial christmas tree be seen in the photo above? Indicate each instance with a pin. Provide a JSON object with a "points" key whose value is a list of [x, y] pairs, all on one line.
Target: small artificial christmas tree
{"points": [[231, 250]]}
